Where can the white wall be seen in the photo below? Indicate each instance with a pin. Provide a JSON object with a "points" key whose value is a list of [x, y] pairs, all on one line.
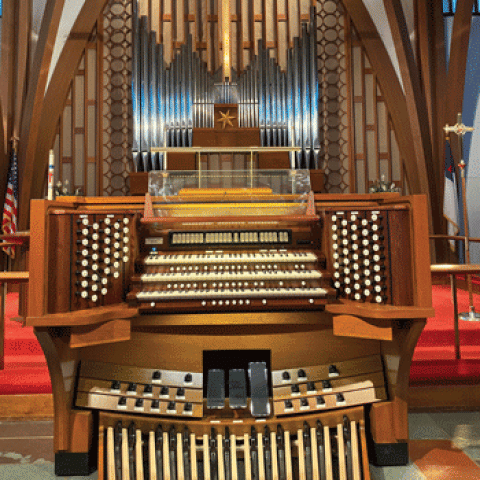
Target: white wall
{"points": [[70, 13], [471, 117]]}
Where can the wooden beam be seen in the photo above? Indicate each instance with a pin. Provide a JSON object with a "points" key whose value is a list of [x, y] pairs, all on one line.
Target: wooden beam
{"points": [[457, 67], [7, 69], [23, 31], [391, 88], [53, 103], [33, 106], [417, 109], [430, 34]]}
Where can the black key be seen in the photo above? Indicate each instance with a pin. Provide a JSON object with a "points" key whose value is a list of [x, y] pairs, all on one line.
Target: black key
{"points": [[320, 401], [340, 398], [216, 389], [267, 454], [188, 407], [157, 375], [171, 406], [307, 445], [186, 453], [213, 455], [254, 454], [281, 453], [304, 402], [320, 450], [148, 389], [347, 440], [158, 452], [139, 403], [295, 389], [164, 391], [311, 387], [226, 454], [117, 442], [122, 402], [237, 388], [132, 387], [301, 374], [326, 385], [258, 375], [285, 376], [146, 459], [288, 404], [172, 442], [188, 378], [131, 450], [181, 393], [333, 371], [155, 404], [115, 385]]}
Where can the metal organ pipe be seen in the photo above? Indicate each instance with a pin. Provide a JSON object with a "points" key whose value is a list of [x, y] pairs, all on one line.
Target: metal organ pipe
{"points": [[168, 101]]}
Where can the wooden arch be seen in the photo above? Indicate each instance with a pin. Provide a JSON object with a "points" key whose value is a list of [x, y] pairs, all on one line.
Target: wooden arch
{"points": [[407, 113], [41, 134]]}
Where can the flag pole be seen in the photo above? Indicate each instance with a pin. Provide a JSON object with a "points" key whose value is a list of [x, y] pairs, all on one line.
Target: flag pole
{"points": [[460, 130]]}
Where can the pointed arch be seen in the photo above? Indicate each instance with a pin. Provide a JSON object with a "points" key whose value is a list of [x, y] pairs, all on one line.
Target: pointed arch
{"points": [[30, 127]]}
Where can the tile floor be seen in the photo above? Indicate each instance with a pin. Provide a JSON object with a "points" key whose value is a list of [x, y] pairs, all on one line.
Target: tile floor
{"points": [[444, 446]]}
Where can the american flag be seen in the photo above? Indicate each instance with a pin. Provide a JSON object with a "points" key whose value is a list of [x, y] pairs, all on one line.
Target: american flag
{"points": [[10, 207]]}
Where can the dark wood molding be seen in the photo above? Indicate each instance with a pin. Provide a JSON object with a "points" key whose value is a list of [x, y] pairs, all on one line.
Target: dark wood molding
{"points": [[23, 23], [54, 101], [428, 397], [7, 68], [457, 67], [34, 102], [421, 140], [430, 34], [391, 89]]}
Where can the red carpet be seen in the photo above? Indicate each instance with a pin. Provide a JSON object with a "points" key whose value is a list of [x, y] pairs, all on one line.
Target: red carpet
{"points": [[25, 366], [433, 362], [434, 358]]}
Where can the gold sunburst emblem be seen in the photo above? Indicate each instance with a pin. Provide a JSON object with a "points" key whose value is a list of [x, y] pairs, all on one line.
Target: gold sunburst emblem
{"points": [[226, 118]]}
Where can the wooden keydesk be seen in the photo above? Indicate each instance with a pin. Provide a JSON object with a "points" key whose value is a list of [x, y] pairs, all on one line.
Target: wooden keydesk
{"points": [[137, 314]]}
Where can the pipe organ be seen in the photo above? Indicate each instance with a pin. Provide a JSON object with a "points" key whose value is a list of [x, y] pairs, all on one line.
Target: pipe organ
{"points": [[169, 101], [209, 334]]}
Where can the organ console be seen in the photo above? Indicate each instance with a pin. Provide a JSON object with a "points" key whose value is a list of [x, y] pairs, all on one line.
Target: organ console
{"points": [[223, 333]]}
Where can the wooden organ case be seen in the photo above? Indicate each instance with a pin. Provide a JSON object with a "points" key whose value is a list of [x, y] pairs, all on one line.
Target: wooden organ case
{"points": [[211, 340]]}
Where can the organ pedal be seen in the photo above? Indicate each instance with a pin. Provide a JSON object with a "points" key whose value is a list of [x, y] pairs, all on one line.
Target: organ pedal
{"points": [[330, 446]]}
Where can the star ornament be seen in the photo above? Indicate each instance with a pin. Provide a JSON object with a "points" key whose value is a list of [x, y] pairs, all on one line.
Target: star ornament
{"points": [[226, 119]]}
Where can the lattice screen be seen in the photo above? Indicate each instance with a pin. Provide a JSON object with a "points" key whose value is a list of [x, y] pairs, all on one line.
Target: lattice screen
{"points": [[94, 135], [334, 77]]}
